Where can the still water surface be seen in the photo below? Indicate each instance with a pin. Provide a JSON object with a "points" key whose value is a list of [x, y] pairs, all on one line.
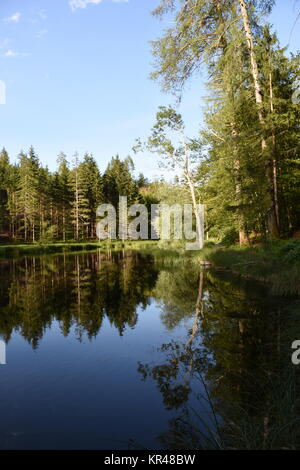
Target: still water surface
{"points": [[111, 350]]}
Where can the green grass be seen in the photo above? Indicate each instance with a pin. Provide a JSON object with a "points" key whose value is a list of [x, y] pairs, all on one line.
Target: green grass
{"points": [[275, 427], [277, 264]]}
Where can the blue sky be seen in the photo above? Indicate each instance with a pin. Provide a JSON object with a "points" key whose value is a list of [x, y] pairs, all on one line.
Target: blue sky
{"points": [[76, 73]]}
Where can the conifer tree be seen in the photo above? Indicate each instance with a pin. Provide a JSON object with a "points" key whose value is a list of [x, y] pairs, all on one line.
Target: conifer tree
{"points": [[64, 194], [80, 209], [118, 181], [4, 194], [27, 194], [92, 187]]}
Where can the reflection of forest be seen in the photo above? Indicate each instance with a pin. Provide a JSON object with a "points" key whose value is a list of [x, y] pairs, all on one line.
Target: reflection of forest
{"points": [[75, 290], [236, 348], [236, 357]]}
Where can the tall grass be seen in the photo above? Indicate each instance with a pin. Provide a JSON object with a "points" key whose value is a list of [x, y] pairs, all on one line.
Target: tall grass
{"points": [[276, 264], [263, 426]]}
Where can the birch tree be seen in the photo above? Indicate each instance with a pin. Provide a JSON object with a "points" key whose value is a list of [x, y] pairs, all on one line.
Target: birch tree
{"points": [[177, 151]]}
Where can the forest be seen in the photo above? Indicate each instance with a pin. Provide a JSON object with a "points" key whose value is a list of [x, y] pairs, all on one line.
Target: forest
{"points": [[37, 205], [143, 344], [243, 165]]}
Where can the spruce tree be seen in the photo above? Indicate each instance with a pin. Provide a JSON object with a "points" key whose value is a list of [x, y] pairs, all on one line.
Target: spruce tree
{"points": [[92, 188], [64, 195], [4, 195], [27, 194], [80, 209]]}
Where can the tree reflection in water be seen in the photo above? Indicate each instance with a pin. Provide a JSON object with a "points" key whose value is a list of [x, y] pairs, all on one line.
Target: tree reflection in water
{"points": [[229, 380], [76, 290]]}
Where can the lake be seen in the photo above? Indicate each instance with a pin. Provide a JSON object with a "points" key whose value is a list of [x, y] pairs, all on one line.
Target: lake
{"points": [[127, 350]]}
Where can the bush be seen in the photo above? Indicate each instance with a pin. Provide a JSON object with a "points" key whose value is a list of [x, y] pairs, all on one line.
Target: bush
{"points": [[290, 251], [230, 237]]}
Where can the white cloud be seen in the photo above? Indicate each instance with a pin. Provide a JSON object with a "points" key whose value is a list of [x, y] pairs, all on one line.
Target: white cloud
{"points": [[74, 4], [11, 53], [15, 18]]}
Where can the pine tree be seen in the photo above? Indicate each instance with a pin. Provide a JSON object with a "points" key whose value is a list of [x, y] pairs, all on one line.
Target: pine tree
{"points": [[27, 194], [4, 195], [118, 181], [92, 188], [13, 182], [80, 209], [64, 194], [142, 181]]}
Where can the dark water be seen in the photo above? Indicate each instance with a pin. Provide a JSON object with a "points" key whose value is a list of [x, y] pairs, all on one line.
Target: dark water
{"points": [[122, 350]]}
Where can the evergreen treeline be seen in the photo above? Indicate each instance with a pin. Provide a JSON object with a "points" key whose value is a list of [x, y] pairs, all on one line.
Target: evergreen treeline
{"points": [[37, 205]]}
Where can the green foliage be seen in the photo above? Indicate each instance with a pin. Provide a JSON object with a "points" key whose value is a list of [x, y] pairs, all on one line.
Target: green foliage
{"points": [[48, 233], [118, 181], [39, 206], [291, 252], [248, 170], [231, 237]]}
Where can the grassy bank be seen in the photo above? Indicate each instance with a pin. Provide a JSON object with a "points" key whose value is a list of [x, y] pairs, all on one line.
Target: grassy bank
{"points": [[277, 264]]}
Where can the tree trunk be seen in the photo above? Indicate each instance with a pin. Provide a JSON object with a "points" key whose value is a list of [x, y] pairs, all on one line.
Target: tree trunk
{"points": [[198, 310], [271, 212], [194, 202], [76, 207], [275, 180], [243, 238], [64, 224]]}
